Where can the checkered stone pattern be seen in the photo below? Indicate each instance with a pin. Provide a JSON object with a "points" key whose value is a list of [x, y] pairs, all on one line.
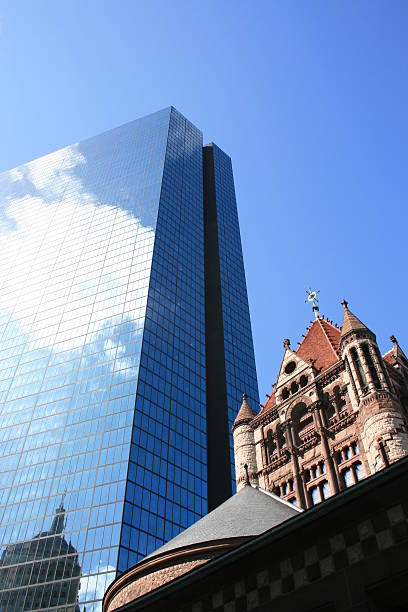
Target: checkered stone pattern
{"points": [[330, 555]]}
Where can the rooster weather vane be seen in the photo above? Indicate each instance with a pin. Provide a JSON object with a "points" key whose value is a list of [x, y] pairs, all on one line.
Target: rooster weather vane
{"points": [[311, 296]]}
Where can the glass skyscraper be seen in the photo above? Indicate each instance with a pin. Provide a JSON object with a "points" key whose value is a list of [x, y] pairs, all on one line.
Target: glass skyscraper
{"points": [[125, 346]]}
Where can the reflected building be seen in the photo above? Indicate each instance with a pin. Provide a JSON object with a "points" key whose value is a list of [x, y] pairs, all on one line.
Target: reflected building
{"points": [[44, 572], [125, 345]]}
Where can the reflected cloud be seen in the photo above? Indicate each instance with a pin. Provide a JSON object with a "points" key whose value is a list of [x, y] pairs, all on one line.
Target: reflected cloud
{"points": [[56, 306]]}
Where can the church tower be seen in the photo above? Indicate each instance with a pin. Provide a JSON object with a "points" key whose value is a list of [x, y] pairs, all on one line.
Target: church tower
{"points": [[383, 426], [337, 413]]}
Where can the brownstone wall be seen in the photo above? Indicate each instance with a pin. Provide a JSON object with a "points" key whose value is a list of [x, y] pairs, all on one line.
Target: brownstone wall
{"points": [[150, 581]]}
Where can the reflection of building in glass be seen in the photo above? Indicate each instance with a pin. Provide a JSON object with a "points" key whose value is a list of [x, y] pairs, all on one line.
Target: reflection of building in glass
{"points": [[125, 343], [44, 572]]}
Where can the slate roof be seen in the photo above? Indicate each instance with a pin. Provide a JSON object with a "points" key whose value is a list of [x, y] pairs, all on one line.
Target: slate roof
{"points": [[249, 512], [351, 323], [245, 413]]}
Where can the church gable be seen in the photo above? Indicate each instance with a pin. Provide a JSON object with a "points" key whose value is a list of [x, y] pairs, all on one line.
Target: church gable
{"points": [[294, 372]]}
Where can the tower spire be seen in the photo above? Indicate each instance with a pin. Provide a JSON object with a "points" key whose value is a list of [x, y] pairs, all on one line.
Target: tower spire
{"points": [[58, 522]]}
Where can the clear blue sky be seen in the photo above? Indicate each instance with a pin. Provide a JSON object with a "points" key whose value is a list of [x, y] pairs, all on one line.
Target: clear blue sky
{"points": [[310, 100]]}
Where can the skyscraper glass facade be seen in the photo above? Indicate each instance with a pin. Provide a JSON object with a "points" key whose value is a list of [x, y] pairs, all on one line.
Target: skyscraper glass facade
{"points": [[103, 421]]}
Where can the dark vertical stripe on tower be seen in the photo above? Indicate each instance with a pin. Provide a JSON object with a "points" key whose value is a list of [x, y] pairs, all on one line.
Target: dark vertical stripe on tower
{"points": [[218, 455]]}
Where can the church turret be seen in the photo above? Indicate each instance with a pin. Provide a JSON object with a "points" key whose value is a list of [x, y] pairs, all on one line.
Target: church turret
{"points": [[244, 446], [383, 428]]}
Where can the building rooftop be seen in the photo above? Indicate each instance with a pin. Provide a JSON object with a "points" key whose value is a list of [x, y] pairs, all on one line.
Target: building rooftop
{"points": [[248, 513]]}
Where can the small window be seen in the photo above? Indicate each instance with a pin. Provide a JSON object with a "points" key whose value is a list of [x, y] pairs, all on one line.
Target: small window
{"points": [[322, 468], [359, 470], [315, 494], [290, 367], [354, 447], [325, 489], [303, 381], [294, 388], [293, 501], [348, 477], [285, 393]]}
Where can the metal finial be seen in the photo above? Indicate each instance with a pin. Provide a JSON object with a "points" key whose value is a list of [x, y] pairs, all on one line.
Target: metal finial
{"points": [[311, 296], [247, 481], [344, 303], [393, 339], [286, 343], [244, 397]]}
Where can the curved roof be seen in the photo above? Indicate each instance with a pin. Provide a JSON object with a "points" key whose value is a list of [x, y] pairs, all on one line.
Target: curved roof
{"points": [[249, 512]]}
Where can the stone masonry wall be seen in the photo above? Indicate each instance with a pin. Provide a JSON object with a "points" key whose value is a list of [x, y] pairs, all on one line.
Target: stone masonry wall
{"points": [[149, 582], [388, 427], [244, 451]]}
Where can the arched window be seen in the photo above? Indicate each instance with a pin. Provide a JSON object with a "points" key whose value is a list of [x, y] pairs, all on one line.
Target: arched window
{"points": [[302, 421], [359, 369], [281, 437], [285, 393], [270, 446], [329, 411], [294, 387], [371, 366], [303, 381], [338, 400]]}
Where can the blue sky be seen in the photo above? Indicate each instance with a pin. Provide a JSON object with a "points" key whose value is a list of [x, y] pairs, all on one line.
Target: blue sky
{"points": [[309, 98]]}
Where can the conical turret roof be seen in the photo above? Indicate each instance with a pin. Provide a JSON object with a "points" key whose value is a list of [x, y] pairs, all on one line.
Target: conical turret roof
{"points": [[245, 414], [350, 321]]}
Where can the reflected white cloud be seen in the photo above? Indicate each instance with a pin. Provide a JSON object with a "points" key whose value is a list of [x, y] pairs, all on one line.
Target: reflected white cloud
{"points": [[53, 295]]}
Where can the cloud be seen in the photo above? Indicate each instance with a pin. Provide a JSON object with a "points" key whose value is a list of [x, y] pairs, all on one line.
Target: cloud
{"points": [[73, 262]]}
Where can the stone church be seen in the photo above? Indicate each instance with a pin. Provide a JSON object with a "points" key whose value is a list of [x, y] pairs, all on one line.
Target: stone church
{"points": [[338, 412]]}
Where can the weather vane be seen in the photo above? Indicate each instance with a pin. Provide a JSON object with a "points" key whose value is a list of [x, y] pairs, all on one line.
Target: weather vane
{"points": [[311, 296]]}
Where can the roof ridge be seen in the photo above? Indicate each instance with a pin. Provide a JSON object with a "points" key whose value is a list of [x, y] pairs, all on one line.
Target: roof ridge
{"points": [[320, 319]]}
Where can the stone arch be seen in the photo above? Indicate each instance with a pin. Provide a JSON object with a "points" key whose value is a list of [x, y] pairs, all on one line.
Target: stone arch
{"points": [[296, 400], [302, 420]]}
